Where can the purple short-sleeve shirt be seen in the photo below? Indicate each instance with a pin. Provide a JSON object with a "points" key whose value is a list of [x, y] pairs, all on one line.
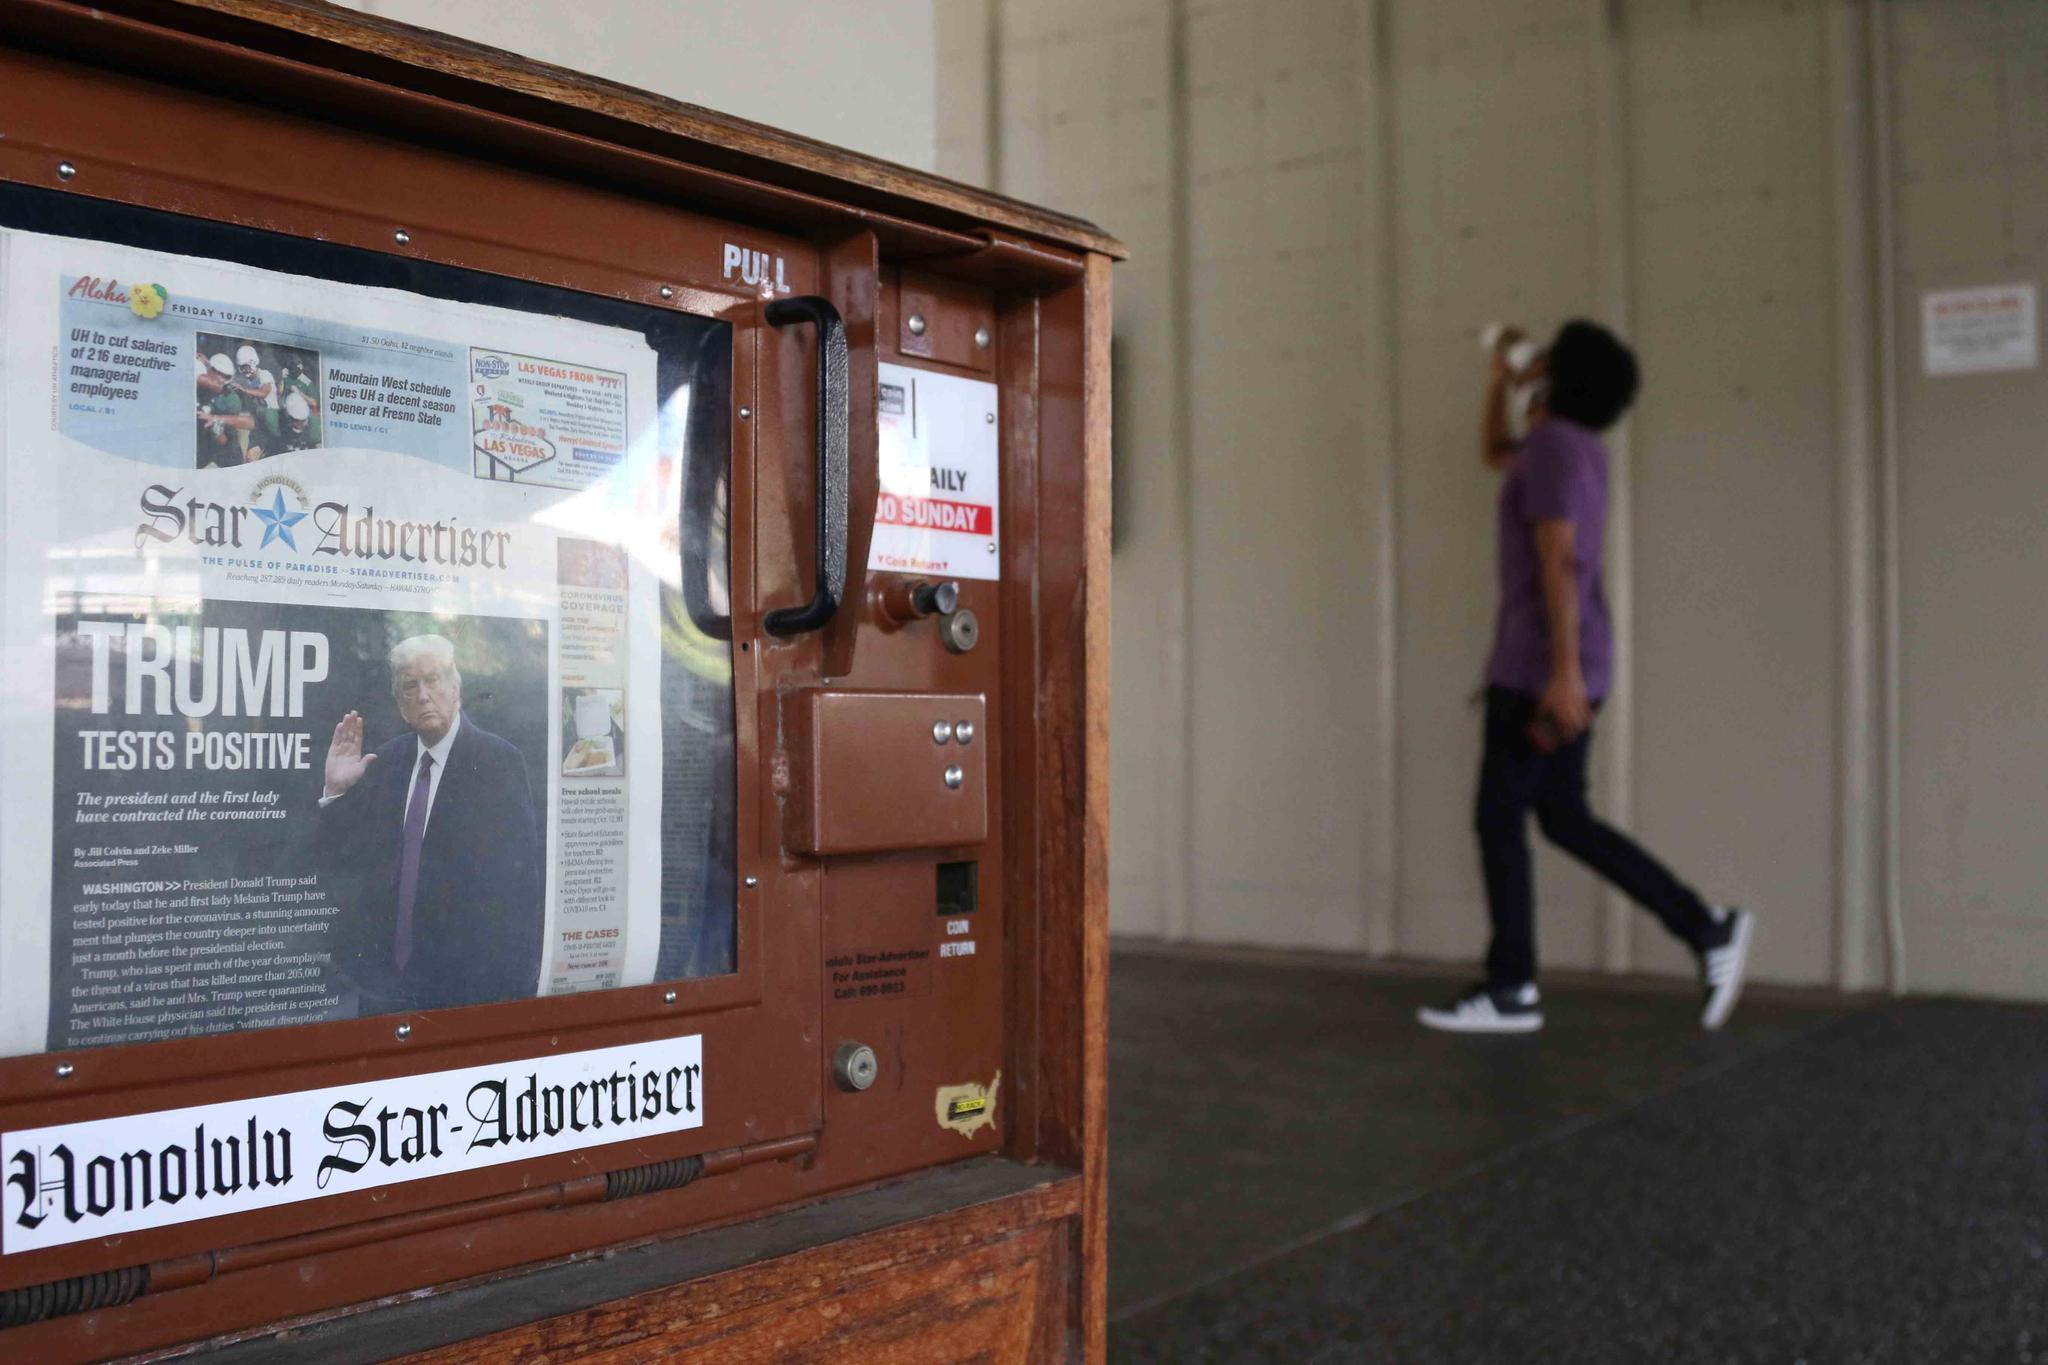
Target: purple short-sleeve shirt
{"points": [[1560, 474]]}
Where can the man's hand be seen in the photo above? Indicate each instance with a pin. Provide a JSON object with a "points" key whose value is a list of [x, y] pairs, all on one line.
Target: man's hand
{"points": [[1499, 371], [1565, 706], [346, 761], [1496, 447]]}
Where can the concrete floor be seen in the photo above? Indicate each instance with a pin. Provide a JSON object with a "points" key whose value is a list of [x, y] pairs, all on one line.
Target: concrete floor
{"points": [[1298, 1172]]}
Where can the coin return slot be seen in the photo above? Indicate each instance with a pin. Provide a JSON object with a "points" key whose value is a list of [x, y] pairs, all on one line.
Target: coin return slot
{"points": [[956, 888]]}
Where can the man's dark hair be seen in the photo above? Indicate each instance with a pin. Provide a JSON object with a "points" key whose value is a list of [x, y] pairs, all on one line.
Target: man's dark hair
{"points": [[1593, 376]]}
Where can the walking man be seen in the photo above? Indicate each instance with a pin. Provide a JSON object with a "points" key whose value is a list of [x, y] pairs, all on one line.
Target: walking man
{"points": [[1550, 669]]}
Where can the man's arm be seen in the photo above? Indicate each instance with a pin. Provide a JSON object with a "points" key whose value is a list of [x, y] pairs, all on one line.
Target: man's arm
{"points": [[1564, 698]]}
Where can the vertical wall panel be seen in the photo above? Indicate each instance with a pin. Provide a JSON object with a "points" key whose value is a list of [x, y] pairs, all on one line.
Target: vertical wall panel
{"points": [[1494, 212], [860, 76], [1086, 121], [1736, 465], [1860, 241], [964, 43], [1282, 647], [1971, 127]]}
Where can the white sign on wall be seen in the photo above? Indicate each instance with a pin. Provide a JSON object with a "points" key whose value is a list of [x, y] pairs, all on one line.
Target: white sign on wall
{"points": [[78, 1181], [938, 511], [1975, 331]]}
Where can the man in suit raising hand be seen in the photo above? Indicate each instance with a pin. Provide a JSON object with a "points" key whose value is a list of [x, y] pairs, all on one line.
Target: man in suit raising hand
{"points": [[437, 828]]}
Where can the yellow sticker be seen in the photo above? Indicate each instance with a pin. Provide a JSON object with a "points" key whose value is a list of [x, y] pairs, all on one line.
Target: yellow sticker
{"points": [[147, 300], [967, 1109]]}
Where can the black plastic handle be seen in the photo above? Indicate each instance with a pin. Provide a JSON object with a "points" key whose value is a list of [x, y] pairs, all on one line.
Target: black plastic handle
{"points": [[832, 458]]}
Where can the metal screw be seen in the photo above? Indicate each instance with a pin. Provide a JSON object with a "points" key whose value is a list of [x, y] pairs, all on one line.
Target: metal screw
{"points": [[753, 881], [667, 292], [404, 1031], [65, 1071], [981, 337], [401, 237], [964, 732], [989, 418], [954, 777], [916, 324], [668, 997], [941, 732], [745, 413], [65, 170]]}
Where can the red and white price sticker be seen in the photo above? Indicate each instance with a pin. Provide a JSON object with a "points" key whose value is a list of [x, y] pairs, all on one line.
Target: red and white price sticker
{"points": [[940, 504]]}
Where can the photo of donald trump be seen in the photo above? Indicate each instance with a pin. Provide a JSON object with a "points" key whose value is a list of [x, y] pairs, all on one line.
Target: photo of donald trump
{"points": [[437, 830]]}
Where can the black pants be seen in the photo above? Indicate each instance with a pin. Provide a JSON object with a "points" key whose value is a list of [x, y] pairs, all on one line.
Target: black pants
{"points": [[1515, 777]]}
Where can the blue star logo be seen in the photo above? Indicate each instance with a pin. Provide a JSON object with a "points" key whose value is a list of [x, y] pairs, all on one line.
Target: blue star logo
{"points": [[278, 523]]}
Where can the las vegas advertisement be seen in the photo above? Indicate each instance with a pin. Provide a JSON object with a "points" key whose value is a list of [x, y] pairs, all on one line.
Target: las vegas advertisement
{"points": [[328, 688]]}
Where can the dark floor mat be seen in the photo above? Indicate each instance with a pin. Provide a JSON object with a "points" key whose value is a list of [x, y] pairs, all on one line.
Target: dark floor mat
{"points": [[1252, 1103], [1875, 1190]]}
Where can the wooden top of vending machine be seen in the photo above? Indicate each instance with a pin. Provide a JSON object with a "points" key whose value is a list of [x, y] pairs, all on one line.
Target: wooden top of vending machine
{"points": [[555, 803]]}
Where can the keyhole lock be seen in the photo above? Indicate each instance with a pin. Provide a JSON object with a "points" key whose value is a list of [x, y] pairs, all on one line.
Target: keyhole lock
{"points": [[960, 630], [854, 1066]]}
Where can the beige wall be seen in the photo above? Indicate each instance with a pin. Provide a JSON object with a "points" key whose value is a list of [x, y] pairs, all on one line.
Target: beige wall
{"points": [[1970, 130], [1078, 109], [1324, 198], [858, 75]]}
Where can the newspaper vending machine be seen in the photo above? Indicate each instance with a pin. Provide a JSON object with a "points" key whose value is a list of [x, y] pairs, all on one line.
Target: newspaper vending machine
{"points": [[552, 775]]}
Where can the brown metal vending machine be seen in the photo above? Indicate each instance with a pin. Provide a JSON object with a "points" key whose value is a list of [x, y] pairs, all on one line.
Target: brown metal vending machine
{"points": [[552, 803]]}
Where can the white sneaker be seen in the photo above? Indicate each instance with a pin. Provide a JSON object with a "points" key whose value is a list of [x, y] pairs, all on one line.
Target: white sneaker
{"points": [[1514, 1009], [1723, 963]]}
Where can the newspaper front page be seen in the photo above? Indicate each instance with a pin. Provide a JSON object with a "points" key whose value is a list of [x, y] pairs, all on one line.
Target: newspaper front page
{"points": [[332, 629]]}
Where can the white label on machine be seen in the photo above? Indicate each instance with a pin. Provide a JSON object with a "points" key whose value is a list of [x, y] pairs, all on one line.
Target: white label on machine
{"points": [[103, 1177], [1973, 331], [938, 510]]}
